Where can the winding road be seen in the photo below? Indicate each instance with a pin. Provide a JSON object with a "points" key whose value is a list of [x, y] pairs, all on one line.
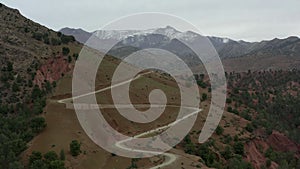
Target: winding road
{"points": [[170, 158]]}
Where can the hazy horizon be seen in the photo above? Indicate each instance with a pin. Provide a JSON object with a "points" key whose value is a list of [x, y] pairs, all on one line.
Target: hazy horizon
{"points": [[249, 21], [184, 31]]}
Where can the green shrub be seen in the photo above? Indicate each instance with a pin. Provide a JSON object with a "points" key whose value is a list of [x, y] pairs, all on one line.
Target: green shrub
{"points": [[219, 130], [65, 51], [51, 156], [227, 153], [238, 148], [55, 42], [228, 100], [38, 36], [66, 39], [75, 148], [38, 124], [204, 96], [249, 127], [62, 155]]}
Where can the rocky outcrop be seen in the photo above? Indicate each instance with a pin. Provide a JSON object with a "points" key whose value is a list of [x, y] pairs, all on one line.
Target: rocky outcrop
{"points": [[52, 70], [280, 142], [254, 153]]}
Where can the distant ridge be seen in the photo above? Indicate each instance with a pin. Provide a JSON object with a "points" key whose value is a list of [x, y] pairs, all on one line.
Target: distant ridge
{"points": [[79, 34], [227, 48], [286, 51]]}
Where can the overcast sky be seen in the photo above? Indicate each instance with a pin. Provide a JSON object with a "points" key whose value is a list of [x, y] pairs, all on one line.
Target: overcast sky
{"points": [[251, 20]]}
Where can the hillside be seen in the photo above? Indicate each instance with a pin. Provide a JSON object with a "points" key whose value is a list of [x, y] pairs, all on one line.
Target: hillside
{"points": [[39, 128], [27, 46], [33, 58]]}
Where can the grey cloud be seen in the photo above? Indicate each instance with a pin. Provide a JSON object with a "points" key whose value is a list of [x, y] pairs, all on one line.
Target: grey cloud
{"points": [[248, 20]]}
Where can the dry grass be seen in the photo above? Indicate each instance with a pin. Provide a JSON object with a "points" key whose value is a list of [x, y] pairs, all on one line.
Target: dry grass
{"points": [[63, 126]]}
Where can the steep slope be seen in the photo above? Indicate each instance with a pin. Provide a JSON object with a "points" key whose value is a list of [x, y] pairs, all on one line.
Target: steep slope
{"points": [[27, 46], [31, 52], [33, 58]]}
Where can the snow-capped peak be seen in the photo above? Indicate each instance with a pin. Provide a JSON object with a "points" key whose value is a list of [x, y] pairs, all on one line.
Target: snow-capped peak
{"points": [[168, 31], [225, 40]]}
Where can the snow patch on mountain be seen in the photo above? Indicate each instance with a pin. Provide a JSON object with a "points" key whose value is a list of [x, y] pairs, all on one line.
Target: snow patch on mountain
{"points": [[168, 31]]}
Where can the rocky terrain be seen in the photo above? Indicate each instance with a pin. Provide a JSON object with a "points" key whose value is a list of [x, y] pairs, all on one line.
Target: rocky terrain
{"points": [[33, 58], [29, 46], [259, 128]]}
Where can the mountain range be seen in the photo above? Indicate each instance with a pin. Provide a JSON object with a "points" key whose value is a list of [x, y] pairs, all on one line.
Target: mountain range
{"points": [[259, 127], [227, 48]]}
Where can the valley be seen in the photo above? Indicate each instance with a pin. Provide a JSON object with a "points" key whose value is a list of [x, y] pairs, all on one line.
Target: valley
{"points": [[40, 129]]}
